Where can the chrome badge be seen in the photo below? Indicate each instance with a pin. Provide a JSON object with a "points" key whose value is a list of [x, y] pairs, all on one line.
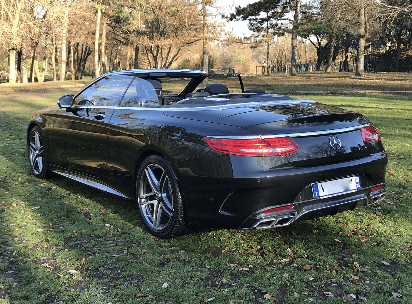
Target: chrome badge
{"points": [[334, 142]]}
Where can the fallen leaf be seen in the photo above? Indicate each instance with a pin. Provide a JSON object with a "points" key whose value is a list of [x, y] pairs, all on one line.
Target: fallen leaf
{"points": [[269, 297]]}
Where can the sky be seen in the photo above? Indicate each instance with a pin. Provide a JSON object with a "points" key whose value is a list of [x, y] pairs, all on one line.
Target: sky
{"points": [[239, 28]]}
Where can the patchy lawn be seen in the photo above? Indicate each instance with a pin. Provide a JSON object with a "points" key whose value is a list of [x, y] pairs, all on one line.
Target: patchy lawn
{"points": [[62, 242]]}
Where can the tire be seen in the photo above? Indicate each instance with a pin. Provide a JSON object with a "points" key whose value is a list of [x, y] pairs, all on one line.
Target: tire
{"points": [[158, 197], [37, 153]]}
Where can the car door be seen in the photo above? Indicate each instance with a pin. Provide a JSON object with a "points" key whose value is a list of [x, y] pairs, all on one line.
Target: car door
{"points": [[135, 125], [81, 135]]}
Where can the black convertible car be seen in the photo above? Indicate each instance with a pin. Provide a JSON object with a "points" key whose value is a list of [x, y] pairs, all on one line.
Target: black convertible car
{"points": [[205, 156]]}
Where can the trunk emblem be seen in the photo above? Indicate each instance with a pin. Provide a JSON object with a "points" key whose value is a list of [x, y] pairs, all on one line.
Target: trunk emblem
{"points": [[334, 142]]}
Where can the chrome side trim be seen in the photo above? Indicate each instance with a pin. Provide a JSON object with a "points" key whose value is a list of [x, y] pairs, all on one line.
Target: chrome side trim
{"points": [[90, 182], [305, 134]]}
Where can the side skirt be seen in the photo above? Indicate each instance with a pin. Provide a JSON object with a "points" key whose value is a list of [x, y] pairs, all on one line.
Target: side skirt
{"points": [[89, 181]]}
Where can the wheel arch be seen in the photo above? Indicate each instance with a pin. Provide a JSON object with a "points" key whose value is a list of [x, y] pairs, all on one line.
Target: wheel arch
{"points": [[180, 208], [30, 127], [153, 151]]}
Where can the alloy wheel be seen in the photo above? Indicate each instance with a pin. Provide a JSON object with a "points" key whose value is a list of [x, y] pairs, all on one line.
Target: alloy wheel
{"points": [[36, 152], [156, 197]]}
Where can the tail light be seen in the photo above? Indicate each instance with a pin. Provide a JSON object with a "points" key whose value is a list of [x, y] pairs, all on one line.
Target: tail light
{"points": [[377, 188], [370, 134], [254, 146], [277, 209]]}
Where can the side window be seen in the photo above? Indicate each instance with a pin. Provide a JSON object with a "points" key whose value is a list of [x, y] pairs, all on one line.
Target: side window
{"points": [[105, 92], [140, 93]]}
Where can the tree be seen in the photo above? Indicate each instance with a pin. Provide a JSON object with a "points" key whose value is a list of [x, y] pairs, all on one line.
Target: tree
{"points": [[205, 64], [397, 27], [264, 20], [333, 25], [12, 19], [360, 62], [169, 27], [295, 26], [65, 25]]}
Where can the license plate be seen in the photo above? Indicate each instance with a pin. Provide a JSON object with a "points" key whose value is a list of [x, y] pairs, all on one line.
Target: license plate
{"points": [[334, 187]]}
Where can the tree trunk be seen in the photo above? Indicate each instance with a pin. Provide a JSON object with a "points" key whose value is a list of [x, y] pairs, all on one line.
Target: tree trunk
{"points": [[330, 55], [136, 56], [54, 59], [64, 45], [96, 45], [36, 71], [103, 46], [293, 63], [72, 71], [360, 64], [128, 58], [398, 51], [19, 57], [267, 45], [32, 64], [319, 52], [204, 25], [12, 66], [24, 78]]}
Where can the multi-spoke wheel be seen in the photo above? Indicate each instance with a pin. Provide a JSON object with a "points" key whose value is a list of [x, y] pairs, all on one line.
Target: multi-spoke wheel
{"points": [[37, 158], [159, 198]]}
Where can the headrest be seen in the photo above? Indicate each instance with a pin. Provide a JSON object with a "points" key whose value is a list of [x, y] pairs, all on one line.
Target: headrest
{"points": [[217, 88]]}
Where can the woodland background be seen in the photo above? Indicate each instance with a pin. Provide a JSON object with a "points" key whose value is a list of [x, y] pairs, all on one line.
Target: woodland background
{"points": [[67, 39]]}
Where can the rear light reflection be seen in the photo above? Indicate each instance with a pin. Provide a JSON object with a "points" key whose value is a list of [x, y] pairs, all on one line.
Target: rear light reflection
{"points": [[277, 209], [377, 188], [370, 134], [254, 146]]}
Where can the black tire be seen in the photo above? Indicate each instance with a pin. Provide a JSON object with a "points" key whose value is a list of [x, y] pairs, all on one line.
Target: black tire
{"points": [[158, 197], [37, 153]]}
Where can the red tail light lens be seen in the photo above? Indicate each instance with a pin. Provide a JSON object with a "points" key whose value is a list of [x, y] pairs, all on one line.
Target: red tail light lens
{"points": [[370, 134], [254, 146]]}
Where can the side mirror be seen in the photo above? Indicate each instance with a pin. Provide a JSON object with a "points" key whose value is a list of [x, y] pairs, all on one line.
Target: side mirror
{"points": [[65, 102]]}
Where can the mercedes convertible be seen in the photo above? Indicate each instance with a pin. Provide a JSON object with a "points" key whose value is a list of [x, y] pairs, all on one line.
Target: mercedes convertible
{"points": [[203, 155]]}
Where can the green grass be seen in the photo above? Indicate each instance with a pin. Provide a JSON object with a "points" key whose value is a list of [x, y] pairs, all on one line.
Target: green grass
{"points": [[64, 242]]}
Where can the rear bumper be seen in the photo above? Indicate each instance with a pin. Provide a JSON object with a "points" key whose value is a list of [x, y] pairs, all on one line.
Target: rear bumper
{"points": [[307, 211], [239, 202]]}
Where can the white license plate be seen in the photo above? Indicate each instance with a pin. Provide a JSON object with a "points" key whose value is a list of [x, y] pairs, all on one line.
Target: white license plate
{"points": [[334, 187]]}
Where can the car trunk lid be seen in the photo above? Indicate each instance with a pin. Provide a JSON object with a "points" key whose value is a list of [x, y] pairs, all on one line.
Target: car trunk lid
{"points": [[325, 134]]}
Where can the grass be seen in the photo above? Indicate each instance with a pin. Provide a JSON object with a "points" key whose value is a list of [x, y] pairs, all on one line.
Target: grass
{"points": [[62, 242]]}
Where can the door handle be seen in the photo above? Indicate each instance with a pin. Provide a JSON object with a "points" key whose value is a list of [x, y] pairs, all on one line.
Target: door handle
{"points": [[99, 116]]}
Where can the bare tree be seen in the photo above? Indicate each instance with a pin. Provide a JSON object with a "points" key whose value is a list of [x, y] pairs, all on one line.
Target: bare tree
{"points": [[360, 63], [96, 43], [293, 63], [12, 18], [168, 29], [64, 42]]}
